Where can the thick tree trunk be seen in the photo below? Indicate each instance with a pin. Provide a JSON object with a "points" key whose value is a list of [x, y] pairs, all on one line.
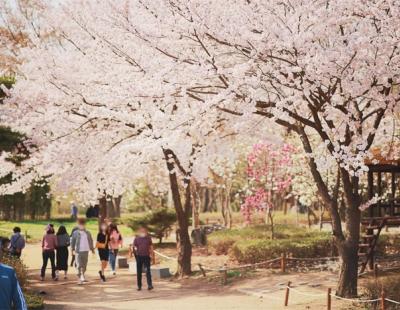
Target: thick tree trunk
{"points": [[347, 285], [348, 250], [116, 202], [224, 195], [110, 208], [103, 210], [182, 212], [347, 244]]}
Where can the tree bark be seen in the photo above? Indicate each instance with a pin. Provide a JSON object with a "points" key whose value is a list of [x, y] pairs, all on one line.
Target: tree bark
{"points": [[103, 210], [195, 206], [183, 239], [347, 284], [116, 201], [347, 245], [348, 250], [110, 208]]}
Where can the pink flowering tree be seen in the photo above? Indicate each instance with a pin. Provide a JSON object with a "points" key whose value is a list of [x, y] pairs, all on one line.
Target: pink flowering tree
{"points": [[268, 170]]}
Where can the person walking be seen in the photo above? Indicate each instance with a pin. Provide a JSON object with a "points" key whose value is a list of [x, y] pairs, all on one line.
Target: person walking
{"points": [[11, 296], [75, 228], [143, 250], [63, 242], [102, 248], [17, 243], [74, 210], [115, 242], [49, 245], [81, 244]]}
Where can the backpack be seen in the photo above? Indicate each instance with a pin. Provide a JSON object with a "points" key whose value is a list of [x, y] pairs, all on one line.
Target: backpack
{"points": [[14, 249]]}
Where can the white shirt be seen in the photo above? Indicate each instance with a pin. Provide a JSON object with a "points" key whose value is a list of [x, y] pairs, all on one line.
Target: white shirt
{"points": [[84, 242]]}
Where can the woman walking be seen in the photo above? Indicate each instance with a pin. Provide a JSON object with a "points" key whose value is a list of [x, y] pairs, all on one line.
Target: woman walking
{"points": [[115, 242], [63, 242], [49, 245], [102, 248]]}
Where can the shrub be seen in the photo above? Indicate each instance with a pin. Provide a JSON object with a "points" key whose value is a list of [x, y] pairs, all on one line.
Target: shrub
{"points": [[372, 289], [34, 301], [158, 222], [20, 269], [254, 244], [261, 250]]}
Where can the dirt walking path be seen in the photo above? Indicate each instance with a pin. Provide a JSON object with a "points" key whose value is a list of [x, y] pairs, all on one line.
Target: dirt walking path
{"points": [[119, 292]]}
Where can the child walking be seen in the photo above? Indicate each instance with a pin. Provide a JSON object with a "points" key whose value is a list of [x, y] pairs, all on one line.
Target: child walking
{"points": [[49, 245]]}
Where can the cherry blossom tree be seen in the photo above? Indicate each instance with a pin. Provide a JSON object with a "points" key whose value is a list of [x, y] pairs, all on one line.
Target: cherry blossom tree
{"points": [[87, 98], [323, 69], [155, 76]]}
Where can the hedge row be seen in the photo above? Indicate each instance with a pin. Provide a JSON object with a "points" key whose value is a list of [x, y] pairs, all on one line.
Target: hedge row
{"points": [[249, 252], [254, 244]]}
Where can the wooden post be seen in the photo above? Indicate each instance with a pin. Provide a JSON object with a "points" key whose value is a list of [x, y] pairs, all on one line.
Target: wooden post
{"points": [[376, 271], [383, 300], [202, 270], [329, 299], [224, 271], [283, 262], [287, 294]]}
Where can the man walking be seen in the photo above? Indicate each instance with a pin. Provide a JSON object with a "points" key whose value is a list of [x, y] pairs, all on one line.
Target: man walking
{"points": [[17, 243], [74, 210], [144, 253], [11, 296], [81, 244]]}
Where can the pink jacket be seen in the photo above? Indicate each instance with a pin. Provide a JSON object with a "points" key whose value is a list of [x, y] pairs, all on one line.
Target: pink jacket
{"points": [[115, 241], [49, 242]]}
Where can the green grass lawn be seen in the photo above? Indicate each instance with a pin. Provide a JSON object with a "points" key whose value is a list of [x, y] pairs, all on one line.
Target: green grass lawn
{"points": [[35, 229]]}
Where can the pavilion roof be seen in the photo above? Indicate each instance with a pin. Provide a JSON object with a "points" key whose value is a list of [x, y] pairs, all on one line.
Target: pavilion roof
{"points": [[385, 155]]}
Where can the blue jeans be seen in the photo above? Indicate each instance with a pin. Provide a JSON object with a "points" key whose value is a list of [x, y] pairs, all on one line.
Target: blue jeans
{"points": [[113, 259]]}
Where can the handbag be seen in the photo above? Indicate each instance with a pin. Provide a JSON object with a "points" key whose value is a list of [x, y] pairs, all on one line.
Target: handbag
{"points": [[100, 245]]}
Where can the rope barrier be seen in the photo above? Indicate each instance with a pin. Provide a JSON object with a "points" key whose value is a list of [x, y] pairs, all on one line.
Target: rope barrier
{"points": [[392, 301], [355, 299], [255, 264], [207, 268], [225, 268], [313, 258], [165, 256], [304, 293]]}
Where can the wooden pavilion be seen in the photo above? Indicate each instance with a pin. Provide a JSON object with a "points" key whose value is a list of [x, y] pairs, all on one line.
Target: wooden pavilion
{"points": [[384, 182]]}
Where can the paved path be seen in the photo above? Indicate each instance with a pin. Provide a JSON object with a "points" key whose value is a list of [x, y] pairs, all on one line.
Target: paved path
{"points": [[119, 292]]}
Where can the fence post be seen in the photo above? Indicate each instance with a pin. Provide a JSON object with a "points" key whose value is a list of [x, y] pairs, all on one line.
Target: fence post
{"points": [[202, 270], [376, 271], [287, 294], [329, 299], [26, 235], [283, 262], [383, 300], [224, 271]]}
